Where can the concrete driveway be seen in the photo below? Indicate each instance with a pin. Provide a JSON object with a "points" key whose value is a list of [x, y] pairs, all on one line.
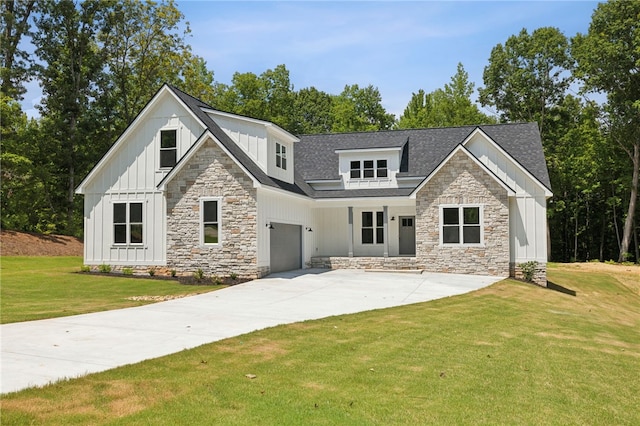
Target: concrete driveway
{"points": [[36, 353]]}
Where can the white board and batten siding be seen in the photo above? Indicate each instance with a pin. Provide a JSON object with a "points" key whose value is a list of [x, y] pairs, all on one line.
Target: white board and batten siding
{"points": [[276, 207], [527, 209], [131, 174]]}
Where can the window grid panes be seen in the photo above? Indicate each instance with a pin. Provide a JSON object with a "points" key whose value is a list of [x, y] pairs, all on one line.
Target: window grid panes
{"points": [[461, 225], [210, 222], [355, 170], [127, 223], [368, 169], [372, 232], [281, 156], [168, 148]]}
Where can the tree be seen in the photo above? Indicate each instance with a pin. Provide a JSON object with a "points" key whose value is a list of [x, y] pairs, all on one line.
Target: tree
{"points": [[608, 60], [73, 66], [14, 16], [358, 110], [450, 106], [145, 47], [527, 76], [312, 111]]}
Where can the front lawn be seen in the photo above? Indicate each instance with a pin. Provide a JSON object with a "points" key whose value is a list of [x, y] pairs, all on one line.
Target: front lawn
{"points": [[46, 287], [512, 353]]}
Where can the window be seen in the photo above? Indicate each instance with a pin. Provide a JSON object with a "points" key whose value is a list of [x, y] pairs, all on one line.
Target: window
{"points": [[281, 156], [210, 215], [370, 169], [461, 225], [127, 223], [381, 169], [372, 233], [355, 170], [168, 148]]}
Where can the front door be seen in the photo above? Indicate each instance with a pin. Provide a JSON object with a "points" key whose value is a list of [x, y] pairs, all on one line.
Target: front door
{"points": [[407, 235]]}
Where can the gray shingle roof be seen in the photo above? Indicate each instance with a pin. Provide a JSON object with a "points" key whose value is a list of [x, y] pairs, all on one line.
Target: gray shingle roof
{"points": [[423, 150], [196, 106], [315, 156]]}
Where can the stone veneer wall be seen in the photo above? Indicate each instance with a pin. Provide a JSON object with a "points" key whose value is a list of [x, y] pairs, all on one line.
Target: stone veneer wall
{"points": [[211, 173], [462, 181], [539, 275]]}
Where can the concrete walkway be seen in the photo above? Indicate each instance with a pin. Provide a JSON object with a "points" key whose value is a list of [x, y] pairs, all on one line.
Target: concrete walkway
{"points": [[36, 353]]}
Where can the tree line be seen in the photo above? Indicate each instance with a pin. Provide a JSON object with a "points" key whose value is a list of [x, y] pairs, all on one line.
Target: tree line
{"points": [[99, 61]]}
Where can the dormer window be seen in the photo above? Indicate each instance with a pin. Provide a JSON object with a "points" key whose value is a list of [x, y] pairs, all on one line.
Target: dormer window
{"points": [[168, 148], [368, 169], [281, 156]]}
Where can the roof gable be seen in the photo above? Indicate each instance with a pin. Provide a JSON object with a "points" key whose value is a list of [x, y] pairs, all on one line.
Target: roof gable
{"points": [[163, 92], [462, 149]]}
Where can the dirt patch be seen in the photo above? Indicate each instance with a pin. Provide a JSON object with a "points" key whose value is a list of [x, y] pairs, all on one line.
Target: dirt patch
{"points": [[15, 243]]}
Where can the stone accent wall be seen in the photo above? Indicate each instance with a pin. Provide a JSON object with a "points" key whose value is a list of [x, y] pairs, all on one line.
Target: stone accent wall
{"points": [[211, 173], [462, 181], [539, 276], [384, 263]]}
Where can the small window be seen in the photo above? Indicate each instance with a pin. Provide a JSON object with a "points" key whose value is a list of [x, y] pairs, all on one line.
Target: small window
{"points": [[210, 222], [355, 170], [367, 170], [168, 148], [127, 223], [281, 156], [381, 169], [461, 225], [372, 232]]}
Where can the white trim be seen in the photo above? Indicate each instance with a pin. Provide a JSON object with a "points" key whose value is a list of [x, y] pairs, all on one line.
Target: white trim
{"points": [[367, 150], [478, 130], [271, 127], [81, 189], [201, 202], [314, 181], [127, 224], [460, 225], [458, 148], [158, 137]]}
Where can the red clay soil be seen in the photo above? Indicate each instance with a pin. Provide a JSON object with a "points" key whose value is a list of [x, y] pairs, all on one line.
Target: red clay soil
{"points": [[27, 244]]}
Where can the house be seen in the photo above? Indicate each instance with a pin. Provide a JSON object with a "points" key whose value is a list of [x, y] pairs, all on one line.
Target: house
{"points": [[186, 187]]}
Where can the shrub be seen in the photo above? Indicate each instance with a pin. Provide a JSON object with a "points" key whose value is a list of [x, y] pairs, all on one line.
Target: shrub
{"points": [[105, 269], [216, 280], [173, 273], [199, 274], [528, 270], [152, 271], [233, 276], [85, 268], [127, 271]]}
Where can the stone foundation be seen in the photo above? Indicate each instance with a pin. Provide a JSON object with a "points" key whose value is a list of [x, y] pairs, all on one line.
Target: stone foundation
{"points": [[539, 276], [382, 263]]}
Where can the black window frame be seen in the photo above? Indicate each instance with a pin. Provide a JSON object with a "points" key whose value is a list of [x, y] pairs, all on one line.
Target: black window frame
{"points": [[372, 227], [128, 223], [168, 154], [461, 225]]}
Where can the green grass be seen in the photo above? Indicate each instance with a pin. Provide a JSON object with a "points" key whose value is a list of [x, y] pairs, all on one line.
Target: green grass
{"points": [[46, 287], [509, 354]]}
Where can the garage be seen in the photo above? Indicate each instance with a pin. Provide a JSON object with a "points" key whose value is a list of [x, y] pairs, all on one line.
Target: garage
{"points": [[285, 247]]}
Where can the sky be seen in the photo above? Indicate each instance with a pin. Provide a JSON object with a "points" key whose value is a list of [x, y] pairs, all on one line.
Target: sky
{"points": [[398, 47]]}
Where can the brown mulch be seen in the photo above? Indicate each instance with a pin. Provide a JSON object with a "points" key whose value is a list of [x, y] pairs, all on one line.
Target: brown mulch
{"points": [[15, 243]]}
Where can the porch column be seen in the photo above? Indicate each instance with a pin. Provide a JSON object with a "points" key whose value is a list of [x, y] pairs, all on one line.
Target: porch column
{"points": [[350, 230], [385, 230]]}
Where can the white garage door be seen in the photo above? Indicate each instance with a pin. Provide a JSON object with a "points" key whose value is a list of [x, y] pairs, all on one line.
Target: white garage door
{"points": [[286, 247]]}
